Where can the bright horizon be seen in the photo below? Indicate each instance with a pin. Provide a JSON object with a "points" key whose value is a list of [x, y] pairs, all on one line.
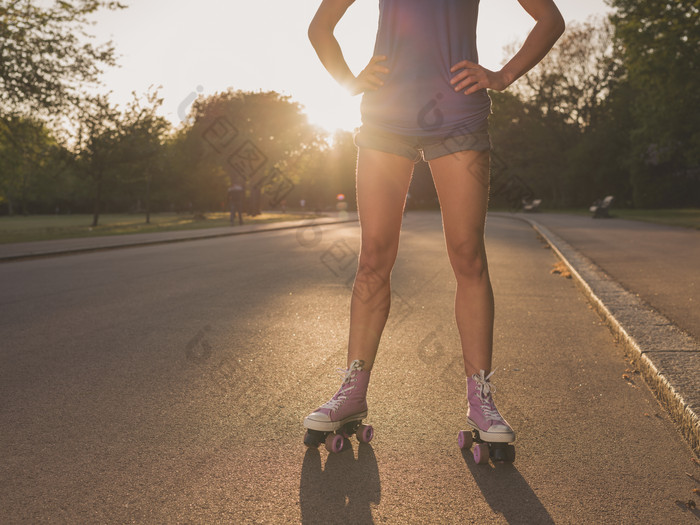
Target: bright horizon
{"points": [[263, 45]]}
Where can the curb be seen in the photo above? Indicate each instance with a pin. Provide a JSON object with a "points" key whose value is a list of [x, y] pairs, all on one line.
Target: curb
{"points": [[135, 243], [662, 352]]}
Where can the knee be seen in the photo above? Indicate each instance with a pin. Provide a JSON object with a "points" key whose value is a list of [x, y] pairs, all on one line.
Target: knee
{"points": [[377, 255], [468, 260]]}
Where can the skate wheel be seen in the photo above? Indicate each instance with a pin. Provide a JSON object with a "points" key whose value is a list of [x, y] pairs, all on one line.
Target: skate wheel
{"points": [[311, 439], [510, 453], [335, 443], [365, 433], [481, 453], [465, 439], [499, 453]]}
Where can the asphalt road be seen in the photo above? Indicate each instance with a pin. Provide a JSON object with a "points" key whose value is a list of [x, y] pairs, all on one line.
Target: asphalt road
{"points": [[659, 263], [168, 384]]}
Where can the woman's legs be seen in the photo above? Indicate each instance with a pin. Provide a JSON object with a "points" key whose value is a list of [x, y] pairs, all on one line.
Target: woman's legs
{"points": [[462, 183], [382, 184]]}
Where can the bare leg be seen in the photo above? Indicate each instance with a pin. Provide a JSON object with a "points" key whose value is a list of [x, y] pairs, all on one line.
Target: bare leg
{"points": [[382, 184], [462, 181]]}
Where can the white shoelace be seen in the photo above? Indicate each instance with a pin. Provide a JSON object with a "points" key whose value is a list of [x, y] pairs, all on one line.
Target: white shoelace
{"points": [[482, 383], [342, 395], [485, 389]]}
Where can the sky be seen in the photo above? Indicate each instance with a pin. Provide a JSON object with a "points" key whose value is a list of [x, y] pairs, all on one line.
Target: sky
{"points": [[204, 47]]}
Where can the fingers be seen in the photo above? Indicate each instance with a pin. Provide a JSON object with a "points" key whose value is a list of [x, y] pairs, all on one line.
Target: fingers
{"points": [[378, 69], [368, 77], [467, 78], [474, 88], [374, 80], [463, 64], [373, 67]]}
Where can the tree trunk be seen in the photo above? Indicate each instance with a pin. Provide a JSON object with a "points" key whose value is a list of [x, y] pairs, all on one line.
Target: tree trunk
{"points": [[98, 199], [23, 189], [148, 198]]}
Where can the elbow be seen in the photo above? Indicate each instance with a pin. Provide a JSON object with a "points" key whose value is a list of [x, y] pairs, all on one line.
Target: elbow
{"points": [[559, 26], [312, 32], [315, 33]]}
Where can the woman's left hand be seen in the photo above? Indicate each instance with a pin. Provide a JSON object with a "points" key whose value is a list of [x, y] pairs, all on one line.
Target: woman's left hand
{"points": [[476, 77]]}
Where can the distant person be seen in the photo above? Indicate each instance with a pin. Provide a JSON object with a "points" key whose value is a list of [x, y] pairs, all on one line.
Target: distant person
{"points": [[424, 95], [236, 194]]}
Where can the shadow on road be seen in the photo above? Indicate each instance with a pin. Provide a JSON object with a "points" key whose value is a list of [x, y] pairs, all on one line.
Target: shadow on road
{"points": [[343, 490], [507, 492]]}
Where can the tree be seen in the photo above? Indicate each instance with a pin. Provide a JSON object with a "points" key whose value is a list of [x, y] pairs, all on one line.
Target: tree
{"points": [[259, 138], [141, 147], [29, 158], [109, 141], [576, 76], [44, 55], [659, 41], [546, 128]]}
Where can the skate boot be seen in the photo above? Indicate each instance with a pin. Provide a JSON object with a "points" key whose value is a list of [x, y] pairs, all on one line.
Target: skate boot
{"points": [[342, 416], [490, 430]]}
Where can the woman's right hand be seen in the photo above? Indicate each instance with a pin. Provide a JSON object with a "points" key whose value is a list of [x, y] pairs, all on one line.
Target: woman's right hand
{"points": [[368, 80]]}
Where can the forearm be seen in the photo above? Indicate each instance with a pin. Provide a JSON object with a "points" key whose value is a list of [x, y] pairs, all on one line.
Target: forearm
{"points": [[541, 39], [330, 54]]}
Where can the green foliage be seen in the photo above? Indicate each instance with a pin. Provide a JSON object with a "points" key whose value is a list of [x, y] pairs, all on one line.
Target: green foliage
{"points": [[31, 162], [231, 126], [552, 131], [327, 172], [44, 56], [116, 148], [611, 110], [660, 41]]}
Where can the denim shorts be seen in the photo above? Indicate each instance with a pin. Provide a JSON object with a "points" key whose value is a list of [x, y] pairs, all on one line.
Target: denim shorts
{"points": [[415, 147]]}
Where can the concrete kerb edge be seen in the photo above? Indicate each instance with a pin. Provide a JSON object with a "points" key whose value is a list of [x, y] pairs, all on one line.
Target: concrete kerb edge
{"points": [[684, 416], [38, 255]]}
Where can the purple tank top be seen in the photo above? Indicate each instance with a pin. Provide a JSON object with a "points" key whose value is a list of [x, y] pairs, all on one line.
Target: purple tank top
{"points": [[422, 40]]}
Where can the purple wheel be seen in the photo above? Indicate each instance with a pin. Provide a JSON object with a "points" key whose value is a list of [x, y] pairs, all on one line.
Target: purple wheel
{"points": [[334, 443], [481, 454], [464, 439], [365, 433]]}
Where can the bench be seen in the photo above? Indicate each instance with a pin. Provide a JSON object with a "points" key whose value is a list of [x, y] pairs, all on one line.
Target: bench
{"points": [[601, 208], [531, 206]]}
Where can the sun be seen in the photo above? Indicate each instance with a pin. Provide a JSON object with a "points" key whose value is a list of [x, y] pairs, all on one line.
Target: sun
{"points": [[326, 103], [333, 109]]}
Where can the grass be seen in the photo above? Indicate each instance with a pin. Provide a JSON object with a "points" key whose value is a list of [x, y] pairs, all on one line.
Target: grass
{"points": [[685, 217], [49, 227]]}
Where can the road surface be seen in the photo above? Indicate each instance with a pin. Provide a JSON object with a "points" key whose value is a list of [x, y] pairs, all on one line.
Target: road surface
{"points": [[168, 383]]}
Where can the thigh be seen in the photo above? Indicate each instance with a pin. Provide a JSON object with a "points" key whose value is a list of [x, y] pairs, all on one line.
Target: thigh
{"points": [[462, 184], [382, 183]]}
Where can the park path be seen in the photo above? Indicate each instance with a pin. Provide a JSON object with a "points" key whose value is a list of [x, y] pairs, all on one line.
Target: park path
{"points": [[168, 383], [659, 263]]}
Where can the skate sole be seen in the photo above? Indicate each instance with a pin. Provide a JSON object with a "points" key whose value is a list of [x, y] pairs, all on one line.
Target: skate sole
{"points": [[498, 451], [332, 426], [491, 437], [335, 441]]}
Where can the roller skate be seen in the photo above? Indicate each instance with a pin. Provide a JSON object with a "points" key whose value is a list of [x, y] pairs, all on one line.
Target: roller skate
{"points": [[341, 417], [489, 430]]}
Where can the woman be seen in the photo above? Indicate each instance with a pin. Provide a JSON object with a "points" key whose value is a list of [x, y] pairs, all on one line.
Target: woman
{"points": [[424, 95]]}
